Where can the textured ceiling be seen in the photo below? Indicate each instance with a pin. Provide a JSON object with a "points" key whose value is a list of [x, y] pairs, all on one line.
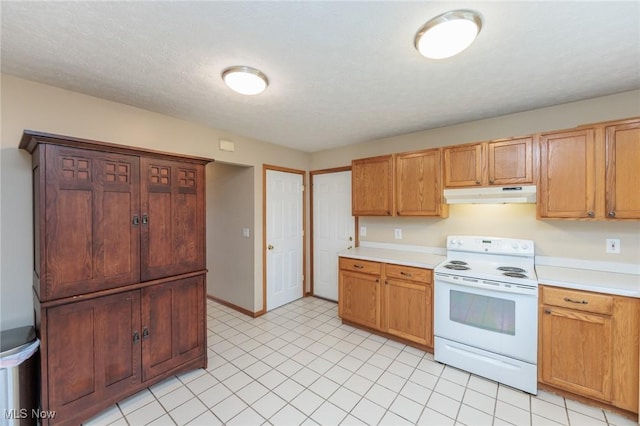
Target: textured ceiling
{"points": [[340, 72]]}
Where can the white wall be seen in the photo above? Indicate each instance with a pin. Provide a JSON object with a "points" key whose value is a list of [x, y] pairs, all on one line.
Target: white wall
{"points": [[29, 105]]}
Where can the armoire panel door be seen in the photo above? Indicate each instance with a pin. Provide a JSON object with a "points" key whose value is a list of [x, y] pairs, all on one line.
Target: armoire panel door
{"points": [[172, 218], [91, 239], [172, 324], [93, 352]]}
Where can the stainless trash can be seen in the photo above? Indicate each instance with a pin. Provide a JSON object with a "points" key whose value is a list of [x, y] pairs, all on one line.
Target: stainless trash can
{"points": [[19, 377]]}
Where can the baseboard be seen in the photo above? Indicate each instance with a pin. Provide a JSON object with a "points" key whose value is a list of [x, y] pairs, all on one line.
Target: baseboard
{"points": [[236, 307]]}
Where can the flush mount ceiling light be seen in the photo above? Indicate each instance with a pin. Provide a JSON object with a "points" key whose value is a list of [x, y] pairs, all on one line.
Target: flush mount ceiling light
{"points": [[448, 34], [245, 80]]}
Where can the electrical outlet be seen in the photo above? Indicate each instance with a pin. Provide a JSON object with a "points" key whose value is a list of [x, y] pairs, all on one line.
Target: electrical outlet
{"points": [[363, 231], [613, 245], [245, 232], [398, 233]]}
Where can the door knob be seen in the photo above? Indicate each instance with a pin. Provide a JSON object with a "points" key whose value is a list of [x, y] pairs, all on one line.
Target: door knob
{"points": [[269, 247]]}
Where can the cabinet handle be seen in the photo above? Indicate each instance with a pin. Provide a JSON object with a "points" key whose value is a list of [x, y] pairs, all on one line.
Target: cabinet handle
{"points": [[145, 333], [546, 311], [145, 219], [377, 280], [612, 213], [477, 182], [355, 265], [582, 302], [136, 337], [136, 220], [406, 274], [491, 182], [590, 214]]}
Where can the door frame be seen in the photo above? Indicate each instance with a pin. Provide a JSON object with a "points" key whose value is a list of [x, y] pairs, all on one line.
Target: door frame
{"points": [[265, 168], [356, 241]]}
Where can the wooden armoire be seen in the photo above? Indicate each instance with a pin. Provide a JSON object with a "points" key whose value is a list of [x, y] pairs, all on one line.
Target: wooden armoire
{"points": [[119, 273]]}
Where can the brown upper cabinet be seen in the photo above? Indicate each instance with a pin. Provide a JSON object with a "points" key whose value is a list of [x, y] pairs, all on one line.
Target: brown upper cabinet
{"points": [[623, 170], [172, 194], [418, 187], [372, 186], [85, 206], [406, 184], [591, 172], [106, 220], [567, 174], [500, 162]]}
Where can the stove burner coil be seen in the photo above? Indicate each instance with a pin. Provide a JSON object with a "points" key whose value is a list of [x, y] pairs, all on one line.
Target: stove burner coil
{"points": [[457, 267], [458, 262], [511, 269], [515, 274]]}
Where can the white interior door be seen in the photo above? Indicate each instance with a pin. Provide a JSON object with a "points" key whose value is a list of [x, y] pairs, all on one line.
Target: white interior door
{"points": [[284, 201], [333, 229]]}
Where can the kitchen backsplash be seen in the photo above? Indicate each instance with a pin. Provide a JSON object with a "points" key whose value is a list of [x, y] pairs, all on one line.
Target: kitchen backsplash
{"points": [[555, 238]]}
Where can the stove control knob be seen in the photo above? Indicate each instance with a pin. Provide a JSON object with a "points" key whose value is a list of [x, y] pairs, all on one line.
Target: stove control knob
{"points": [[460, 243], [454, 242], [514, 245], [525, 246]]}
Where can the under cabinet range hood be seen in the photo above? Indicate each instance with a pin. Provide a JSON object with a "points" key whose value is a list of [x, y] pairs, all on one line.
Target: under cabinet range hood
{"points": [[491, 195]]}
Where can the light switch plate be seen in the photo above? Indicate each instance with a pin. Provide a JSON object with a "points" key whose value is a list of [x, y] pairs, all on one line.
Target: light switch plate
{"points": [[398, 233], [363, 231]]}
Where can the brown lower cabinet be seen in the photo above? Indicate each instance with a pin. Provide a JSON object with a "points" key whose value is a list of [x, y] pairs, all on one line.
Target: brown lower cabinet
{"points": [[91, 352], [98, 350], [388, 298], [172, 330], [589, 345]]}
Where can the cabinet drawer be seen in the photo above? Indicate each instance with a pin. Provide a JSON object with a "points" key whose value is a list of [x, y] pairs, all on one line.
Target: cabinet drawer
{"points": [[579, 300], [358, 265], [408, 273]]}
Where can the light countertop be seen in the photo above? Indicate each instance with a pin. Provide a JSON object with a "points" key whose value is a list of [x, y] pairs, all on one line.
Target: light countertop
{"points": [[590, 280], [569, 276], [400, 257]]}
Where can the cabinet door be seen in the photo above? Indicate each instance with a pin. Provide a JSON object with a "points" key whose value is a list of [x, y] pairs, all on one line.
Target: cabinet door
{"points": [[567, 175], [372, 186], [93, 352], [173, 321], [172, 195], [418, 189], [510, 161], [359, 298], [577, 351], [623, 171], [463, 166], [91, 239], [408, 310]]}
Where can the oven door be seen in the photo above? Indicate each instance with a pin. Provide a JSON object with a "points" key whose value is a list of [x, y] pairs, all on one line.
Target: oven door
{"points": [[503, 322]]}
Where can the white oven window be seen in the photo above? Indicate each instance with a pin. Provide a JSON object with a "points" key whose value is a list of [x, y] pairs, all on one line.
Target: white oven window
{"points": [[485, 312]]}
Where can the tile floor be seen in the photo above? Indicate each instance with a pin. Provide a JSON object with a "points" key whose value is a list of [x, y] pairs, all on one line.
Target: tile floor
{"points": [[299, 365]]}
